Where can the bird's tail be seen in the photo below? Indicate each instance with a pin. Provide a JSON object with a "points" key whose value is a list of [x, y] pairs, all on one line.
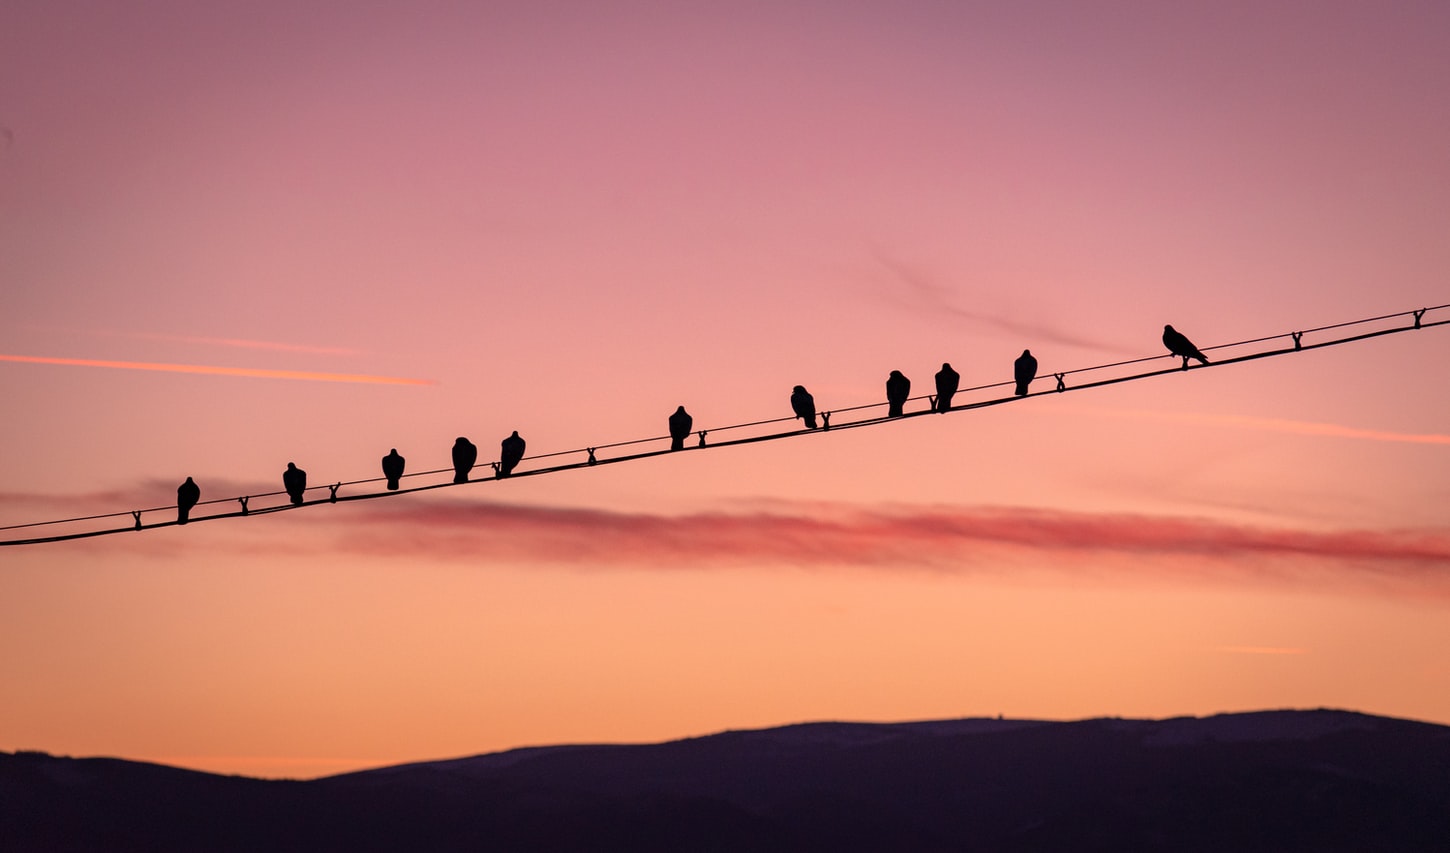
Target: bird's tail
{"points": [[811, 422], [1021, 389], [182, 515], [1201, 357]]}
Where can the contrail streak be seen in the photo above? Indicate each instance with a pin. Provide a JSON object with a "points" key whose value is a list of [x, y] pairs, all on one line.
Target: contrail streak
{"points": [[1277, 425], [213, 370]]}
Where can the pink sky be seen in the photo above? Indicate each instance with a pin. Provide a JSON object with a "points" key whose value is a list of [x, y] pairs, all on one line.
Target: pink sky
{"points": [[567, 219]]}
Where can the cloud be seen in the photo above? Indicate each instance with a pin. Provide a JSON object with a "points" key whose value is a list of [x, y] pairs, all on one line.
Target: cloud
{"points": [[255, 373], [1018, 543], [242, 343], [953, 539], [926, 293], [1274, 425], [1260, 650]]}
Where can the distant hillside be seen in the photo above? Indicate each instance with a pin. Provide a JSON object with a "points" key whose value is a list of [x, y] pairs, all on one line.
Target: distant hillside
{"points": [[1267, 781]]}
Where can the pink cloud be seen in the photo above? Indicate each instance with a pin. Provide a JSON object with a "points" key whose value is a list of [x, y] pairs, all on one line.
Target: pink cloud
{"points": [[1022, 543], [967, 540]]}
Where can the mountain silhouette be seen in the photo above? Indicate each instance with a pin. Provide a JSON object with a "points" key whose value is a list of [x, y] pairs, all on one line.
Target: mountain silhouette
{"points": [[1274, 780]]}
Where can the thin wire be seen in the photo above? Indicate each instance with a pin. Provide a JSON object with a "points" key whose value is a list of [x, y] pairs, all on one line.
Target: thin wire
{"points": [[334, 497]]}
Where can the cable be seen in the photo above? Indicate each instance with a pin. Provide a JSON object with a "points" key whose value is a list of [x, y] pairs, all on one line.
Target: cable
{"points": [[333, 497]]}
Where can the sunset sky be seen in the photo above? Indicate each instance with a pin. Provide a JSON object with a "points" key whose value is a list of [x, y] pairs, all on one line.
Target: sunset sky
{"points": [[234, 235]]}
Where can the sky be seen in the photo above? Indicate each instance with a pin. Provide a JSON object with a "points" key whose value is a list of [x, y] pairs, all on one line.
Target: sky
{"points": [[237, 235]]}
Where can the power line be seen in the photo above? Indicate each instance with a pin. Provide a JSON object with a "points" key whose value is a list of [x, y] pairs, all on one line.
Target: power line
{"points": [[1060, 386]]}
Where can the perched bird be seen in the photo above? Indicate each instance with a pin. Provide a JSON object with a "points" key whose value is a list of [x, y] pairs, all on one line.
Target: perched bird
{"points": [[464, 455], [804, 405], [1024, 370], [294, 479], [898, 388], [680, 426], [187, 494], [393, 468], [1180, 345], [510, 454], [947, 381]]}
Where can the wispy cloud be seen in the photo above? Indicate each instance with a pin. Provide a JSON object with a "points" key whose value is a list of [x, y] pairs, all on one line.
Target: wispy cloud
{"points": [[1260, 650], [926, 293], [241, 343], [214, 370], [1294, 427]]}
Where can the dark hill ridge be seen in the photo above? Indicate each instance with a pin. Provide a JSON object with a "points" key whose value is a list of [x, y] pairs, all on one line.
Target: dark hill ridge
{"points": [[1274, 780]]}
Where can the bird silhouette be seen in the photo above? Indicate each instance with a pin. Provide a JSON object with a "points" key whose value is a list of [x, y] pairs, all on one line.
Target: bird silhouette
{"points": [[898, 388], [1024, 370], [393, 468], [294, 479], [510, 454], [804, 405], [1181, 346], [947, 381], [187, 494], [464, 455], [680, 425]]}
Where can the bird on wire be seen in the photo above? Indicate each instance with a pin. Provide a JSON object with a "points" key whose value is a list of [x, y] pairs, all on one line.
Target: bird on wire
{"points": [[393, 469], [511, 452], [294, 480], [187, 494], [947, 382], [1180, 345], [465, 453], [804, 405], [680, 425], [1024, 370], [898, 389]]}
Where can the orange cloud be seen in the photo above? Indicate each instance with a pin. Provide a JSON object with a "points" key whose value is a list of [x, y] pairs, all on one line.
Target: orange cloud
{"points": [[256, 373]]}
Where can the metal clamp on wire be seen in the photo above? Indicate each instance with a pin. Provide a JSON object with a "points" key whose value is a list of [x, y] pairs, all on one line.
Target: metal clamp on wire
{"points": [[1060, 385]]}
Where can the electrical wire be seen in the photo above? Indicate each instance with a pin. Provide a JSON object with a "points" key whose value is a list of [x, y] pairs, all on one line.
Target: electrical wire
{"points": [[1061, 386]]}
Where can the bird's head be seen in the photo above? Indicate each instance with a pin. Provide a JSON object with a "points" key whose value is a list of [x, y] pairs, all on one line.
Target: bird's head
{"points": [[799, 389]]}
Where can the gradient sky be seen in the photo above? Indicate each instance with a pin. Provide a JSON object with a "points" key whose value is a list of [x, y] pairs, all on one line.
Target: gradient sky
{"points": [[362, 226]]}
